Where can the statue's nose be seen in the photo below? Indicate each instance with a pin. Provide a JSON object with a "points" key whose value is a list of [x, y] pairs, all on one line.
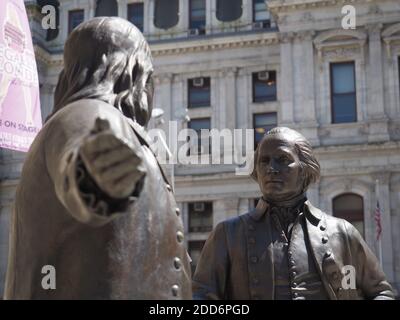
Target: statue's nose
{"points": [[273, 166]]}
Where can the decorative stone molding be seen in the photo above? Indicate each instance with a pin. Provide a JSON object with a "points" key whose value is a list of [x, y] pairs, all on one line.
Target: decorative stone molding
{"points": [[391, 38], [340, 44], [160, 49]]}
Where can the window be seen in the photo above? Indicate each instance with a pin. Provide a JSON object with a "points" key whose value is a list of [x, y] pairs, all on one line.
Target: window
{"points": [[197, 15], [203, 144], [343, 92], [166, 13], [199, 92], [260, 12], [136, 15], [200, 216], [349, 206], [106, 8], [262, 123], [264, 86], [229, 10], [75, 17], [195, 248]]}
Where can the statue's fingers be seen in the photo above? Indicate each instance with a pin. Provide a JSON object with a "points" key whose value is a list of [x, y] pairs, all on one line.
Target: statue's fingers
{"points": [[115, 156], [118, 171], [100, 143]]}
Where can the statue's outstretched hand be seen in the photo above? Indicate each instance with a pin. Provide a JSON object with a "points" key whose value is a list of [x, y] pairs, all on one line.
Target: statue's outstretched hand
{"points": [[114, 163]]}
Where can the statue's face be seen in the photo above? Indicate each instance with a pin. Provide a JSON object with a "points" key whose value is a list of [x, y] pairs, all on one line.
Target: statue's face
{"points": [[278, 168]]}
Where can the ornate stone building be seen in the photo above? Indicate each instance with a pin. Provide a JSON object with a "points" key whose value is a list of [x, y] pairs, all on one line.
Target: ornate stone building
{"points": [[235, 64]]}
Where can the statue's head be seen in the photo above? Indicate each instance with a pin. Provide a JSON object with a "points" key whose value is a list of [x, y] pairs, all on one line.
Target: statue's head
{"points": [[108, 58], [284, 165]]}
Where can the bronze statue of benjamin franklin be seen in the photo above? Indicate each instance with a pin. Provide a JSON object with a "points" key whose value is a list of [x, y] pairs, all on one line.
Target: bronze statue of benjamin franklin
{"points": [[93, 201], [286, 249]]}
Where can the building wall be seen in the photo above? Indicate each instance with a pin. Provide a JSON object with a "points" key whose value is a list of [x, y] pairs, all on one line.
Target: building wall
{"points": [[301, 43]]}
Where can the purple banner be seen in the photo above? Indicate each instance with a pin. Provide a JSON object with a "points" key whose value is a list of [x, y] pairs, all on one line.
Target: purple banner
{"points": [[20, 117]]}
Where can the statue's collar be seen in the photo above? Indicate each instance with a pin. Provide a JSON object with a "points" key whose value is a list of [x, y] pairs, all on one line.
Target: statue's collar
{"points": [[312, 213]]}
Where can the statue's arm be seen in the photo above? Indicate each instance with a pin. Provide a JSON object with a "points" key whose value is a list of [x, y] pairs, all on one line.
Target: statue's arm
{"points": [[94, 161], [369, 275], [210, 277]]}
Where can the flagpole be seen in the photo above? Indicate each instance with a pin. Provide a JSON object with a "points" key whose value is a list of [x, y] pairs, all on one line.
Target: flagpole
{"points": [[380, 210]]}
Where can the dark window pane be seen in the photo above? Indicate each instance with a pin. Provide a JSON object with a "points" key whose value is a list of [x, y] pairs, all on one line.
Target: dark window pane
{"points": [[202, 144], [166, 13], [264, 86], [229, 10], [136, 14], [344, 108], [343, 78], [343, 93], [199, 92], [75, 17], [260, 12], [262, 123], [350, 207], [106, 8], [200, 217], [197, 16]]}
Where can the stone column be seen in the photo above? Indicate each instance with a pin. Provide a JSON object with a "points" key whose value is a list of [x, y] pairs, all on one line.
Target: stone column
{"points": [[224, 209], [122, 9], [227, 101], [386, 236], [304, 82], [376, 104], [286, 83], [243, 88]]}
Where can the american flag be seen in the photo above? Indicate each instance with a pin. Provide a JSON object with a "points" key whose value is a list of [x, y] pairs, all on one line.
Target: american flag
{"points": [[378, 220]]}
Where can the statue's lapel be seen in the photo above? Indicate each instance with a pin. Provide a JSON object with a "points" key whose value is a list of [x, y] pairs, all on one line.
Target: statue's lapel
{"points": [[319, 241]]}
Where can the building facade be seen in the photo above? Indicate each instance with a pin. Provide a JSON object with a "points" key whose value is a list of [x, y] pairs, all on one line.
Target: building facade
{"points": [[243, 64]]}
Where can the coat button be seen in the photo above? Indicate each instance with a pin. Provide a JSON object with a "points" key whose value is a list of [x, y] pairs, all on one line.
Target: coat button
{"points": [[294, 284], [322, 227], [177, 263], [175, 290], [291, 263], [254, 259], [179, 236], [294, 274], [295, 295], [177, 211], [324, 239], [328, 254], [169, 188]]}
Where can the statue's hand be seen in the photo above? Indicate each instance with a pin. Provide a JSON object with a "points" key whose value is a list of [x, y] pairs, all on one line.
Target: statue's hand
{"points": [[114, 163]]}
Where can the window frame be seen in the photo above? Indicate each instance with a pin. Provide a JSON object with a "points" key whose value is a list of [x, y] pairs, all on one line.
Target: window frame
{"points": [[331, 66], [132, 5], [201, 104], [266, 98], [201, 30], [70, 13], [275, 113]]}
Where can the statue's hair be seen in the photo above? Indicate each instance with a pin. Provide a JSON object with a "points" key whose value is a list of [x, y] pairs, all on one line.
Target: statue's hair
{"points": [[309, 164], [106, 58]]}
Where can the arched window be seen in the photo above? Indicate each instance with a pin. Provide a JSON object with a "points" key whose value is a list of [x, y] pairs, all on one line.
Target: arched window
{"points": [[229, 10], [166, 13], [106, 8], [350, 206]]}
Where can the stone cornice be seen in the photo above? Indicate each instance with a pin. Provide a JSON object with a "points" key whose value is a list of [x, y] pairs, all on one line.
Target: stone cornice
{"points": [[279, 6], [211, 44]]}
